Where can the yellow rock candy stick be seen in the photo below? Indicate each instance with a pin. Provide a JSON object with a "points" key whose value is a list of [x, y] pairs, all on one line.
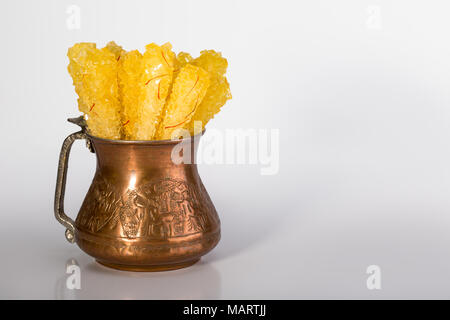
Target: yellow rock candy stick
{"points": [[158, 65], [94, 74], [77, 66], [119, 52], [130, 85], [218, 91], [188, 90]]}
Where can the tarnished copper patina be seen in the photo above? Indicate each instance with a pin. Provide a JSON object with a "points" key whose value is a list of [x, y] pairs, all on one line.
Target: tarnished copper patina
{"points": [[143, 211]]}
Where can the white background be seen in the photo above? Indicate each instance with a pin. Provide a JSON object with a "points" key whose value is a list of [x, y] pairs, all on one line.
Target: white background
{"points": [[361, 100]]}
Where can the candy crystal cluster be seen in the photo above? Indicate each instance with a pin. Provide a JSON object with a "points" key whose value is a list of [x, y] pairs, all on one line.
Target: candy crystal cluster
{"points": [[132, 96]]}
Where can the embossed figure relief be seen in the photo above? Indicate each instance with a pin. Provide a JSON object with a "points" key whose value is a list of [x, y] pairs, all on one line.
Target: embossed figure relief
{"points": [[157, 210], [103, 202]]}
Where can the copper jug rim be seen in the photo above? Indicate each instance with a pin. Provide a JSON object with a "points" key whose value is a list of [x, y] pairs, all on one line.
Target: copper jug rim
{"points": [[144, 142]]}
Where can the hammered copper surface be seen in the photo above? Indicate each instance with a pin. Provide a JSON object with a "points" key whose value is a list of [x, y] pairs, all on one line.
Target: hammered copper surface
{"points": [[143, 211]]}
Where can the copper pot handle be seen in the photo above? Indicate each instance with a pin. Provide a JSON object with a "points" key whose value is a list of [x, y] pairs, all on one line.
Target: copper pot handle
{"points": [[61, 183]]}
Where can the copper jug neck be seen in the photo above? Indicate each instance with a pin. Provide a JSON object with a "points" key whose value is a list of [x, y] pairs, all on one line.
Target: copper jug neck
{"points": [[144, 155]]}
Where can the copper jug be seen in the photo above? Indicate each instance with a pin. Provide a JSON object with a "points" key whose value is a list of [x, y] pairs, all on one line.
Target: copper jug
{"points": [[143, 212]]}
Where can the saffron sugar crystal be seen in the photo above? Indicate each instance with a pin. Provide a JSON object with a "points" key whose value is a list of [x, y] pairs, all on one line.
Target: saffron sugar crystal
{"points": [[188, 90]]}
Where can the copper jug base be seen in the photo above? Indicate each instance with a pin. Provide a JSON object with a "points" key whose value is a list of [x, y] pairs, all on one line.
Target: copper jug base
{"points": [[155, 268]]}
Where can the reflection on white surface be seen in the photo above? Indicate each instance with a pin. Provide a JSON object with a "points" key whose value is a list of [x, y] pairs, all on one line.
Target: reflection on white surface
{"points": [[200, 281]]}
